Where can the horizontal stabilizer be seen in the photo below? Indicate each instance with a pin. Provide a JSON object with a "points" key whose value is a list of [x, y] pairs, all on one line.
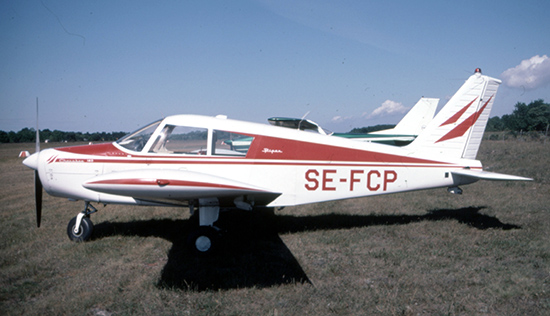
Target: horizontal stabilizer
{"points": [[486, 175]]}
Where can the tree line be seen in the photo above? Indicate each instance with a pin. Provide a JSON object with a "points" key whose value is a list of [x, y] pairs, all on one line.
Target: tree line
{"points": [[27, 135], [370, 129], [532, 117]]}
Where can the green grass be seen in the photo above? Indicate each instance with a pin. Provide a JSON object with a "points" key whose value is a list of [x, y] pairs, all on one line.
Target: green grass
{"points": [[486, 252]]}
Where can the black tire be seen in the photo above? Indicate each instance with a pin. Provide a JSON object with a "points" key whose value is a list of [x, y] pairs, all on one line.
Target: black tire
{"points": [[203, 241], [84, 232]]}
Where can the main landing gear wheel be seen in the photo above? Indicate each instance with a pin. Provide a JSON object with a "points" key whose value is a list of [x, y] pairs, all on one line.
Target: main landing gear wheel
{"points": [[204, 241], [84, 231]]}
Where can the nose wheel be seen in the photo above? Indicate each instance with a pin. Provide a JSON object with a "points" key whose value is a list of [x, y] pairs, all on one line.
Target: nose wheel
{"points": [[81, 233], [80, 227]]}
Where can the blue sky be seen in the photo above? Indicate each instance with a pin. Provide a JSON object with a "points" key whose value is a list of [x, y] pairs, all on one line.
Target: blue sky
{"points": [[117, 65]]}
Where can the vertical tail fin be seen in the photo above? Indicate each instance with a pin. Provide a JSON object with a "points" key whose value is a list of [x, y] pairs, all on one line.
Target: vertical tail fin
{"points": [[457, 129], [416, 120], [418, 117]]}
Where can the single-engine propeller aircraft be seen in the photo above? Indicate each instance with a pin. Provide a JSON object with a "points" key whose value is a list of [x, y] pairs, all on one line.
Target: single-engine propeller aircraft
{"points": [[192, 161]]}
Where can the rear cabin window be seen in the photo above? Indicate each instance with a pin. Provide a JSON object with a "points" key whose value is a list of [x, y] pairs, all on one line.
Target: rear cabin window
{"points": [[230, 144], [181, 140]]}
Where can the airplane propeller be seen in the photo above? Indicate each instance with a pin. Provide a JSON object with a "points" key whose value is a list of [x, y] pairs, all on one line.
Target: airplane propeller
{"points": [[37, 183], [38, 197]]}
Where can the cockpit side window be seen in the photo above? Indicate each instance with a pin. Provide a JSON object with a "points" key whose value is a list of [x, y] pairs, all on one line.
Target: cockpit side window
{"points": [[230, 144], [136, 140], [181, 140]]}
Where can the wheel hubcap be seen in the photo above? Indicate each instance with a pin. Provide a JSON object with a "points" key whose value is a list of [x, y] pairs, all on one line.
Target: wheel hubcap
{"points": [[77, 231], [203, 243]]}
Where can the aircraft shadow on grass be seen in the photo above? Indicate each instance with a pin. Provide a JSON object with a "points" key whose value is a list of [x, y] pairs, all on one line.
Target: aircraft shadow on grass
{"points": [[252, 254]]}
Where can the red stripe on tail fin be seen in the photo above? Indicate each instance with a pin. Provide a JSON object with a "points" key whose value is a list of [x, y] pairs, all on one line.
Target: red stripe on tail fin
{"points": [[465, 125], [457, 115]]}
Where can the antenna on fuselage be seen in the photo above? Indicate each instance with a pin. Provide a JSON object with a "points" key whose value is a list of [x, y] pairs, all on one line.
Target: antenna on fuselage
{"points": [[302, 119]]}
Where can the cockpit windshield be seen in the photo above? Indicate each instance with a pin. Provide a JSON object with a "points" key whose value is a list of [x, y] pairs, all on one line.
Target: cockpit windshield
{"points": [[136, 140]]}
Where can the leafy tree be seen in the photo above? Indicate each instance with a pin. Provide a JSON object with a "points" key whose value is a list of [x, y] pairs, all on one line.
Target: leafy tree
{"points": [[538, 115], [95, 137], [534, 116], [518, 120], [4, 137], [45, 134], [13, 137], [29, 135], [117, 135], [26, 135], [57, 136], [70, 136], [495, 124]]}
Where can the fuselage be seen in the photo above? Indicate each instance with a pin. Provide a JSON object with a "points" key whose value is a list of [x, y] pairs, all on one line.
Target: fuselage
{"points": [[290, 166]]}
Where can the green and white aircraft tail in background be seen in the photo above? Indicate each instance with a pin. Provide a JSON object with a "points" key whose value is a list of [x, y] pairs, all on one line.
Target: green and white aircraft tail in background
{"points": [[402, 134]]}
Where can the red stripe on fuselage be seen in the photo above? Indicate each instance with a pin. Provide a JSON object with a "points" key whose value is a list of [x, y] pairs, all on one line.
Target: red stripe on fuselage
{"points": [[138, 181], [106, 149]]}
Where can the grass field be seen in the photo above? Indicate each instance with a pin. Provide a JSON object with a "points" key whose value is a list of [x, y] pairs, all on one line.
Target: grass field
{"points": [[486, 252]]}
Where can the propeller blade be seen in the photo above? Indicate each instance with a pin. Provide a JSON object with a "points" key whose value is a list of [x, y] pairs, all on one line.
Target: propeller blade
{"points": [[37, 182], [38, 197]]}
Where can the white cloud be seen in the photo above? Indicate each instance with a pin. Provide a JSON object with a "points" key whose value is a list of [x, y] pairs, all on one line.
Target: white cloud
{"points": [[341, 119], [529, 74], [389, 107]]}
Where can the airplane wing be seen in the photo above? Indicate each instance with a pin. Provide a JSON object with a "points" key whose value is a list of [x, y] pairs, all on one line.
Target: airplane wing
{"points": [[177, 185], [388, 139], [486, 175]]}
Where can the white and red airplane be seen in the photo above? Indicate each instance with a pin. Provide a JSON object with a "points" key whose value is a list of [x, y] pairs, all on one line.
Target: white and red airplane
{"points": [[190, 160]]}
